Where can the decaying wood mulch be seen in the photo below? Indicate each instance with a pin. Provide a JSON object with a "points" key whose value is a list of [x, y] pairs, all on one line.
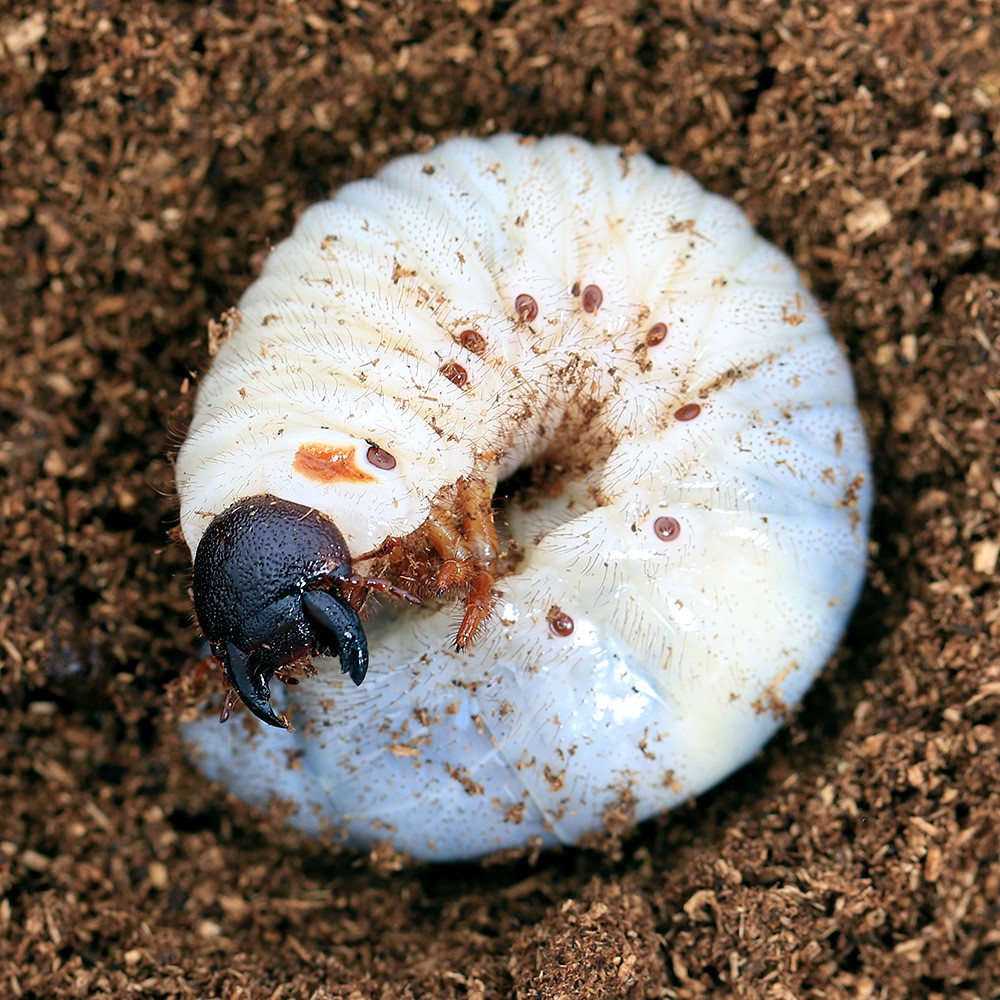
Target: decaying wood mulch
{"points": [[149, 154]]}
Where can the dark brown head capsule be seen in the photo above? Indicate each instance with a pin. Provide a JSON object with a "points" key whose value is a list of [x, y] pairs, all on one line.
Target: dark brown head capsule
{"points": [[267, 591]]}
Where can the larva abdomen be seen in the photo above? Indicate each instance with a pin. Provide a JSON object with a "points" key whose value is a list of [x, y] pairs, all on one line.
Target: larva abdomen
{"points": [[695, 551]]}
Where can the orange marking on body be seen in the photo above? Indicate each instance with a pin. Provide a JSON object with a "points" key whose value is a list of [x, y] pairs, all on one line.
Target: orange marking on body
{"points": [[325, 464]]}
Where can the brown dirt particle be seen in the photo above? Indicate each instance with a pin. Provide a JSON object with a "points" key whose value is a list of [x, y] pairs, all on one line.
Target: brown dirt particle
{"points": [[603, 946]]}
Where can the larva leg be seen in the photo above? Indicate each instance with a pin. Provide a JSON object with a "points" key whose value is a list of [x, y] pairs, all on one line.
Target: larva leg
{"points": [[478, 604], [355, 589], [461, 532]]}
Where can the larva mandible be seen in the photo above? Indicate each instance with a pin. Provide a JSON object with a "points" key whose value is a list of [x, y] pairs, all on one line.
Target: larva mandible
{"points": [[682, 567]]}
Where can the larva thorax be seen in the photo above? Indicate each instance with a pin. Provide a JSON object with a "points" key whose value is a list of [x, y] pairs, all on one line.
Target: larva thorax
{"points": [[696, 536]]}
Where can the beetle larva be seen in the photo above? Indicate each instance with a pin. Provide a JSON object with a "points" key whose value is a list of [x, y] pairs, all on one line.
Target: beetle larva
{"points": [[635, 624]]}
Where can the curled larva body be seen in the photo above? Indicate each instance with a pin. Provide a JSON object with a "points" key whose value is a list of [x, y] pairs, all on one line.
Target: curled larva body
{"points": [[685, 565]]}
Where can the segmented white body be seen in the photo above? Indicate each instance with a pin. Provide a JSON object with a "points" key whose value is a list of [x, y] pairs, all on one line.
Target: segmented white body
{"points": [[708, 537]]}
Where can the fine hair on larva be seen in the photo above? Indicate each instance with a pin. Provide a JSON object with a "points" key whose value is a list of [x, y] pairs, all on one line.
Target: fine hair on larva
{"points": [[685, 547]]}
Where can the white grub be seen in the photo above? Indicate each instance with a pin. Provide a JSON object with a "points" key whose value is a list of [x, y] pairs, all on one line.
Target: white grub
{"points": [[707, 539]]}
